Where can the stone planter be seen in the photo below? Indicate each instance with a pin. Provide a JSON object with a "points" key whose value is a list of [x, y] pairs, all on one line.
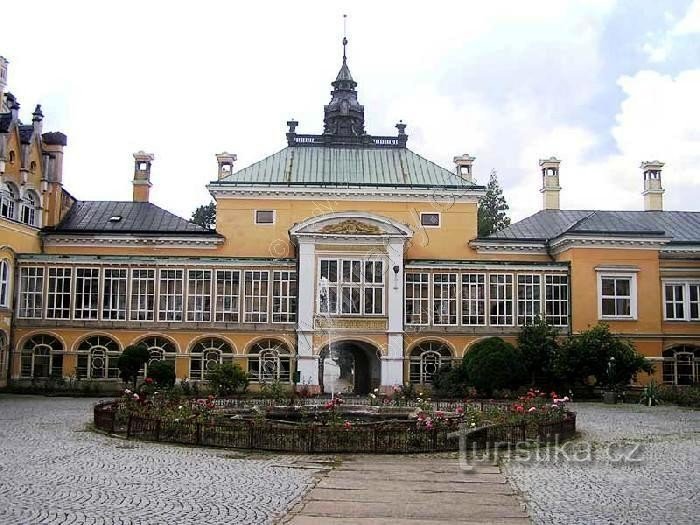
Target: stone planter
{"points": [[609, 397]]}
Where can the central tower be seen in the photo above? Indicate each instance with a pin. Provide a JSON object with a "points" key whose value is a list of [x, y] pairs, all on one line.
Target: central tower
{"points": [[344, 116]]}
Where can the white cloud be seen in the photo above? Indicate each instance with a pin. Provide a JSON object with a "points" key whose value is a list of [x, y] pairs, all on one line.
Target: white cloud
{"points": [[690, 23]]}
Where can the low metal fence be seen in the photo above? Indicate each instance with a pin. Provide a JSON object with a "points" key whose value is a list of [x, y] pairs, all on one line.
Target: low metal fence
{"points": [[390, 437]]}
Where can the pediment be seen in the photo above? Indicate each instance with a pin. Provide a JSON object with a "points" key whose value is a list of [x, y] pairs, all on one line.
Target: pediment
{"points": [[351, 224]]}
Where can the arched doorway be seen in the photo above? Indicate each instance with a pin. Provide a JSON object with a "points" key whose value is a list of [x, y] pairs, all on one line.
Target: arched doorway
{"points": [[349, 367]]}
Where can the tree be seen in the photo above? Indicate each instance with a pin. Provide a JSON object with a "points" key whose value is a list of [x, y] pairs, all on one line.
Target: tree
{"points": [[492, 364], [205, 216], [162, 373], [492, 208], [538, 344], [450, 382], [597, 356], [227, 379], [132, 360]]}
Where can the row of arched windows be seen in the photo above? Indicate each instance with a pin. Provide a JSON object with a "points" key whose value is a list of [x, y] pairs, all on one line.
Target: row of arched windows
{"points": [[26, 209], [42, 357]]}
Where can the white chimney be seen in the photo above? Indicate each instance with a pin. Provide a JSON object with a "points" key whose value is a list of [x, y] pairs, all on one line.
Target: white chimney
{"points": [[550, 183], [653, 192]]}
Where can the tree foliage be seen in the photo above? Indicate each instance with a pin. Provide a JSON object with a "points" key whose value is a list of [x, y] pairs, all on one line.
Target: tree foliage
{"points": [[538, 344], [597, 356], [132, 360], [227, 379], [162, 373], [205, 216], [492, 214], [492, 364], [451, 382]]}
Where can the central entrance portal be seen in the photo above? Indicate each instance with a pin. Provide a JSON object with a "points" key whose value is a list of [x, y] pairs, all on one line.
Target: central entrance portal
{"points": [[349, 367]]}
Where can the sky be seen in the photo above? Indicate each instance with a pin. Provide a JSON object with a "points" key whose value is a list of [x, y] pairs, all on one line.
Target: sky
{"points": [[600, 84]]}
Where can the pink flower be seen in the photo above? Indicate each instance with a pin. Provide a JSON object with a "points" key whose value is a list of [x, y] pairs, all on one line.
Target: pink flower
{"points": [[520, 409], [347, 425], [532, 409], [566, 399], [459, 410], [148, 380], [136, 397]]}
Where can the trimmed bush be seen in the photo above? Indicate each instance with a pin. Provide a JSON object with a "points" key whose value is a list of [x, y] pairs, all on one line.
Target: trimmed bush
{"points": [[162, 373], [450, 382], [132, 360], [227, 379], [492, 364]]}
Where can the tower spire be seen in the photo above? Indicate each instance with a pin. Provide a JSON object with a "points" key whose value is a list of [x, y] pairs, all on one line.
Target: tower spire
{"points": [[345, 36]]}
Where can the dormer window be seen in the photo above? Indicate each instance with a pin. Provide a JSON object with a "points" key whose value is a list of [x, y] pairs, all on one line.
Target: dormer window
{"points": [[8, 196], [115, 218], [29, 210]]}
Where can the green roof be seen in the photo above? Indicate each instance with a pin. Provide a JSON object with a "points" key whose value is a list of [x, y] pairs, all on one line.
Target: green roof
{"points": [[301, 165]]}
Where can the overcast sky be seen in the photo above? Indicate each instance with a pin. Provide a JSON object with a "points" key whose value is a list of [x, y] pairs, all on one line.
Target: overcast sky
{"points": [[602, 85]]}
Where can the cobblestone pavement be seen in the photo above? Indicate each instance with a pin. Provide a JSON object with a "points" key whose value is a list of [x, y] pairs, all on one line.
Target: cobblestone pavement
{"points": [[643, 469], [54, 471]]}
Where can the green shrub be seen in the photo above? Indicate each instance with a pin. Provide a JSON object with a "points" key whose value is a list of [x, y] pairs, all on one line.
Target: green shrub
{"points": [[162, 373], [688, 396], [132, 360], [227, 379], [538, 344], [450, 382], [597, 356], [274, 390], [651, 395], [492, 364]]}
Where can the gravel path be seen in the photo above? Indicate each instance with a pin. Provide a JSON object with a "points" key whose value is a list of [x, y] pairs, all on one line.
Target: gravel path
{"points": [[632, 464], [53, 471]]}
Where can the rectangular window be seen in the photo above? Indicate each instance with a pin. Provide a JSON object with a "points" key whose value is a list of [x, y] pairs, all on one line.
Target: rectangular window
{"points": [[473, 299], [501, 299], [417, 298], [529, 304], [284, 297], [256, 288], [374, 287], [199, 295], [264, 217], [114, 294], [87, 293], [445, 298], [227, 295], [4, 289], [617, 296], [170, 300], [328, 289], [351, 287], [58, 296], [143, 295], [682, 301], [31, 292], [430, 220], [556, 299]]}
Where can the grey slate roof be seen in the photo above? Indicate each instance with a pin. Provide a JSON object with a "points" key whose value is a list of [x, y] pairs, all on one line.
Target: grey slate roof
{"points": [[25, 134], [136, 217], [346, 166], [680, 226], [5, 121]]}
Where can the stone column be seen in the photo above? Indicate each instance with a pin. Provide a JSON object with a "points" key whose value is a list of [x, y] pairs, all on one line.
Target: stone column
{"points": [[307, 363]]}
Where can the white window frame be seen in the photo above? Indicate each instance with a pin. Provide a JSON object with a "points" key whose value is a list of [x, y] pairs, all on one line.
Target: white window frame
{"points": [[67, 309], [36, 296], [107, 304], [560, 301], [523, 318], [4, 283], [93, 308], [172, 312], [332, 285], [197, 310], [256, 297], [423, 302], [632, 297], [356, 282], [686, 285], [221, 313], [284, 296], [255, 217], [496, 300], [371, 285], [427, 226], [471, 298], [135, 313], [449, 300]]}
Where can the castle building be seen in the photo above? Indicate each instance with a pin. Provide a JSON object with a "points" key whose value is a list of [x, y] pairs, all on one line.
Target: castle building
{"points": [[344, 261]]}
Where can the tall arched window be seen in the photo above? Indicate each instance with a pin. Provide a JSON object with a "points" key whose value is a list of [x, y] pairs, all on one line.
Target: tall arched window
{"points": [[206, 353], [8, 197], [269, 360], [681, 365], [30, 211], [42, 357], [426, 359], [4, 283], [159, 349], [97, 358]]}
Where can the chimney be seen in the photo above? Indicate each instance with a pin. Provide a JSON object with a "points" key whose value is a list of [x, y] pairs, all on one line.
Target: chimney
{"points": [[37, 118], [54, 142], [550, 183], [653, 192], [225, 162], [464, 166], [142, 176], [3, 80]]}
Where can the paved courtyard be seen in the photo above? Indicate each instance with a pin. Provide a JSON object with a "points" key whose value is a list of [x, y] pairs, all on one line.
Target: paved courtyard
{"points": [[643, 469], [53, 471]]}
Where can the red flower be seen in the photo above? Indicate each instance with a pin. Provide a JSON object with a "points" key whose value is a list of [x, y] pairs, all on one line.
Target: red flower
{"points": [[148, 380], [553, 395], [520, 409]]}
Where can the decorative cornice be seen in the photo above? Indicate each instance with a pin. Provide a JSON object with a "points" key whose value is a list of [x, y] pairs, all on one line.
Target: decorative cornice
{"points": [[133, 241], [566, 242]]}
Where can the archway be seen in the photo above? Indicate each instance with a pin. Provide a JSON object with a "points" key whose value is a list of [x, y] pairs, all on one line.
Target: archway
{"points": [[349, 367]]}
